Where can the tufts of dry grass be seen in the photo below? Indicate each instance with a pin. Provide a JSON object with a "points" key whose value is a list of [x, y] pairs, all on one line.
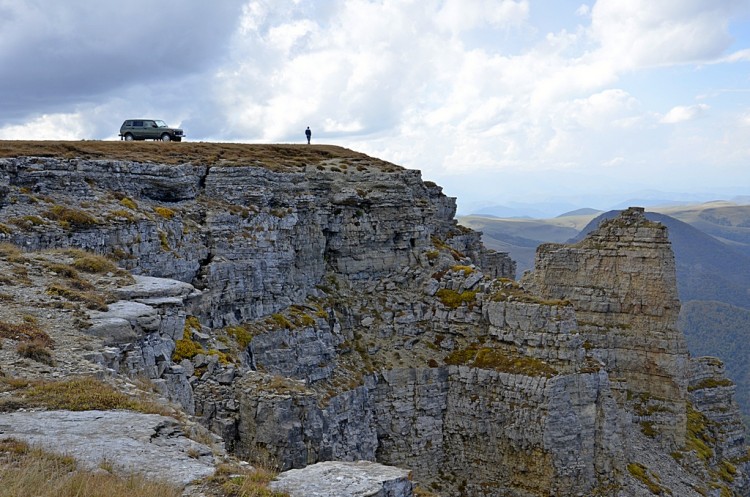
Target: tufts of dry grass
{"points": [[164, 212], [69, 217], [35, 350], [73, 394], [291, 157], [235, 481], [32, 472], [26, 331], [499, 360], [90, 299], [91, 263]]}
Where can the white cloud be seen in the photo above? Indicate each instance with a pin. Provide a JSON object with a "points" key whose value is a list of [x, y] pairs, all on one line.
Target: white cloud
{"points": [[614, 162], [583, 10], [738, 56], [48, 127], [440, 85], [643, 33], [683, 113], [458, 16], [609, 108]]}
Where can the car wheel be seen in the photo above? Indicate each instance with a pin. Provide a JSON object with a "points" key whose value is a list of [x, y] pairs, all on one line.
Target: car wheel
{"points": [[128, 137], [166, 138]]}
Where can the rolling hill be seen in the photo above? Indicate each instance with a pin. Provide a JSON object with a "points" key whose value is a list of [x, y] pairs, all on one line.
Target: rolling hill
{"points": [[521, 236]]}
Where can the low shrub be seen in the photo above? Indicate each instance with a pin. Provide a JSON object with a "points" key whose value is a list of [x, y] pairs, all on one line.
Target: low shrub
{"points": [[27, 222], [640, 473], [232, 480], [453, 299], [186, 347], [241, 334], [280, 321]]}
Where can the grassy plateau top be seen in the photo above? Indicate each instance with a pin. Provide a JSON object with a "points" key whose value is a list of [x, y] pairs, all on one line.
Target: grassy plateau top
{"points": [[282, 157]]}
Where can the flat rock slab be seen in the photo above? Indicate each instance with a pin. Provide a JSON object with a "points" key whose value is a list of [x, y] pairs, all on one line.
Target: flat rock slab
{"points": [[146, 287], [130, 442], [345, 479]]}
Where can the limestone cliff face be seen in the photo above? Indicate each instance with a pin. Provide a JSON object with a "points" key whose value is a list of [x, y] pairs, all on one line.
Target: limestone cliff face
{"points": [[621, 282], [331, 309], [252, 239]]}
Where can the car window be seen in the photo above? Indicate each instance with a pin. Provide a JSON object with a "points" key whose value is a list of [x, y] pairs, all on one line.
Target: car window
{"points": [[138, 123], [161, 124]]}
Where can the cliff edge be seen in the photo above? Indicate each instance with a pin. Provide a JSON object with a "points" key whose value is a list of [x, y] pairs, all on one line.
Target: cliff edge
{"points": [[311, 304]]}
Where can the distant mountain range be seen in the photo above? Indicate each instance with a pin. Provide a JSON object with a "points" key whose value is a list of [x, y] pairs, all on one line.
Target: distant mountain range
{"points": [[653, 200], [708, 267], [711, 242]]}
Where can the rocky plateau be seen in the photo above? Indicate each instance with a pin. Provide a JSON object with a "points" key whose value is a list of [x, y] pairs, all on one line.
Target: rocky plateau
{"points": [[320, 311]]}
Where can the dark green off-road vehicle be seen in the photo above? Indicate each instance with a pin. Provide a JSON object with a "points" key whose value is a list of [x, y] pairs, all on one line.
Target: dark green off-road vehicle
{"points": [[149, 129]]}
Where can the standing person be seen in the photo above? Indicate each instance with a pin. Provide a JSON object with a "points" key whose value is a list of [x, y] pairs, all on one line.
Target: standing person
{"points": [[308, 134]]}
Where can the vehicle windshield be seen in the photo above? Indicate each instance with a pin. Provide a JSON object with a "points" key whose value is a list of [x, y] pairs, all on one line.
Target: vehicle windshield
{"points": [[161, 124]]}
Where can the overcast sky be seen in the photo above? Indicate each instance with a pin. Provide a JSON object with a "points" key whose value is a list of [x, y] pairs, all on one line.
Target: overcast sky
{"points": [[498, 101]]}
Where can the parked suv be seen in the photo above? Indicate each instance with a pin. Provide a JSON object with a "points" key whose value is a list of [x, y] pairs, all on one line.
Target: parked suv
{"points": [[149, 129]]}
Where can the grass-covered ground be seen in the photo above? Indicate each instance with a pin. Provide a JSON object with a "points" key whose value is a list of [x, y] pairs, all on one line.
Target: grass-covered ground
{"points": [[282, 157]]}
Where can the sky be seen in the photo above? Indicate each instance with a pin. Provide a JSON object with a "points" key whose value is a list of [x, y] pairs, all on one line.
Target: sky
{"points": [[501, 102]]}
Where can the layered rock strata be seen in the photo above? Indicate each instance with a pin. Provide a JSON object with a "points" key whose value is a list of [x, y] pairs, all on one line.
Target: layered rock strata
{"points": [[339, 313], [621, 282]]}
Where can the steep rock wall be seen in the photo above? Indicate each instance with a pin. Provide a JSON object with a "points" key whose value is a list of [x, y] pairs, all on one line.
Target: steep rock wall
{"points": [[253, 239], [375, 328], [621, 282]]}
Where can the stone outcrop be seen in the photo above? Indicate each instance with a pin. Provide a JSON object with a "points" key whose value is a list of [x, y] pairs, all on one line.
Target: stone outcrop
{"points": [[621, 282], [344, 479], [332, 310], [148, 444]]}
